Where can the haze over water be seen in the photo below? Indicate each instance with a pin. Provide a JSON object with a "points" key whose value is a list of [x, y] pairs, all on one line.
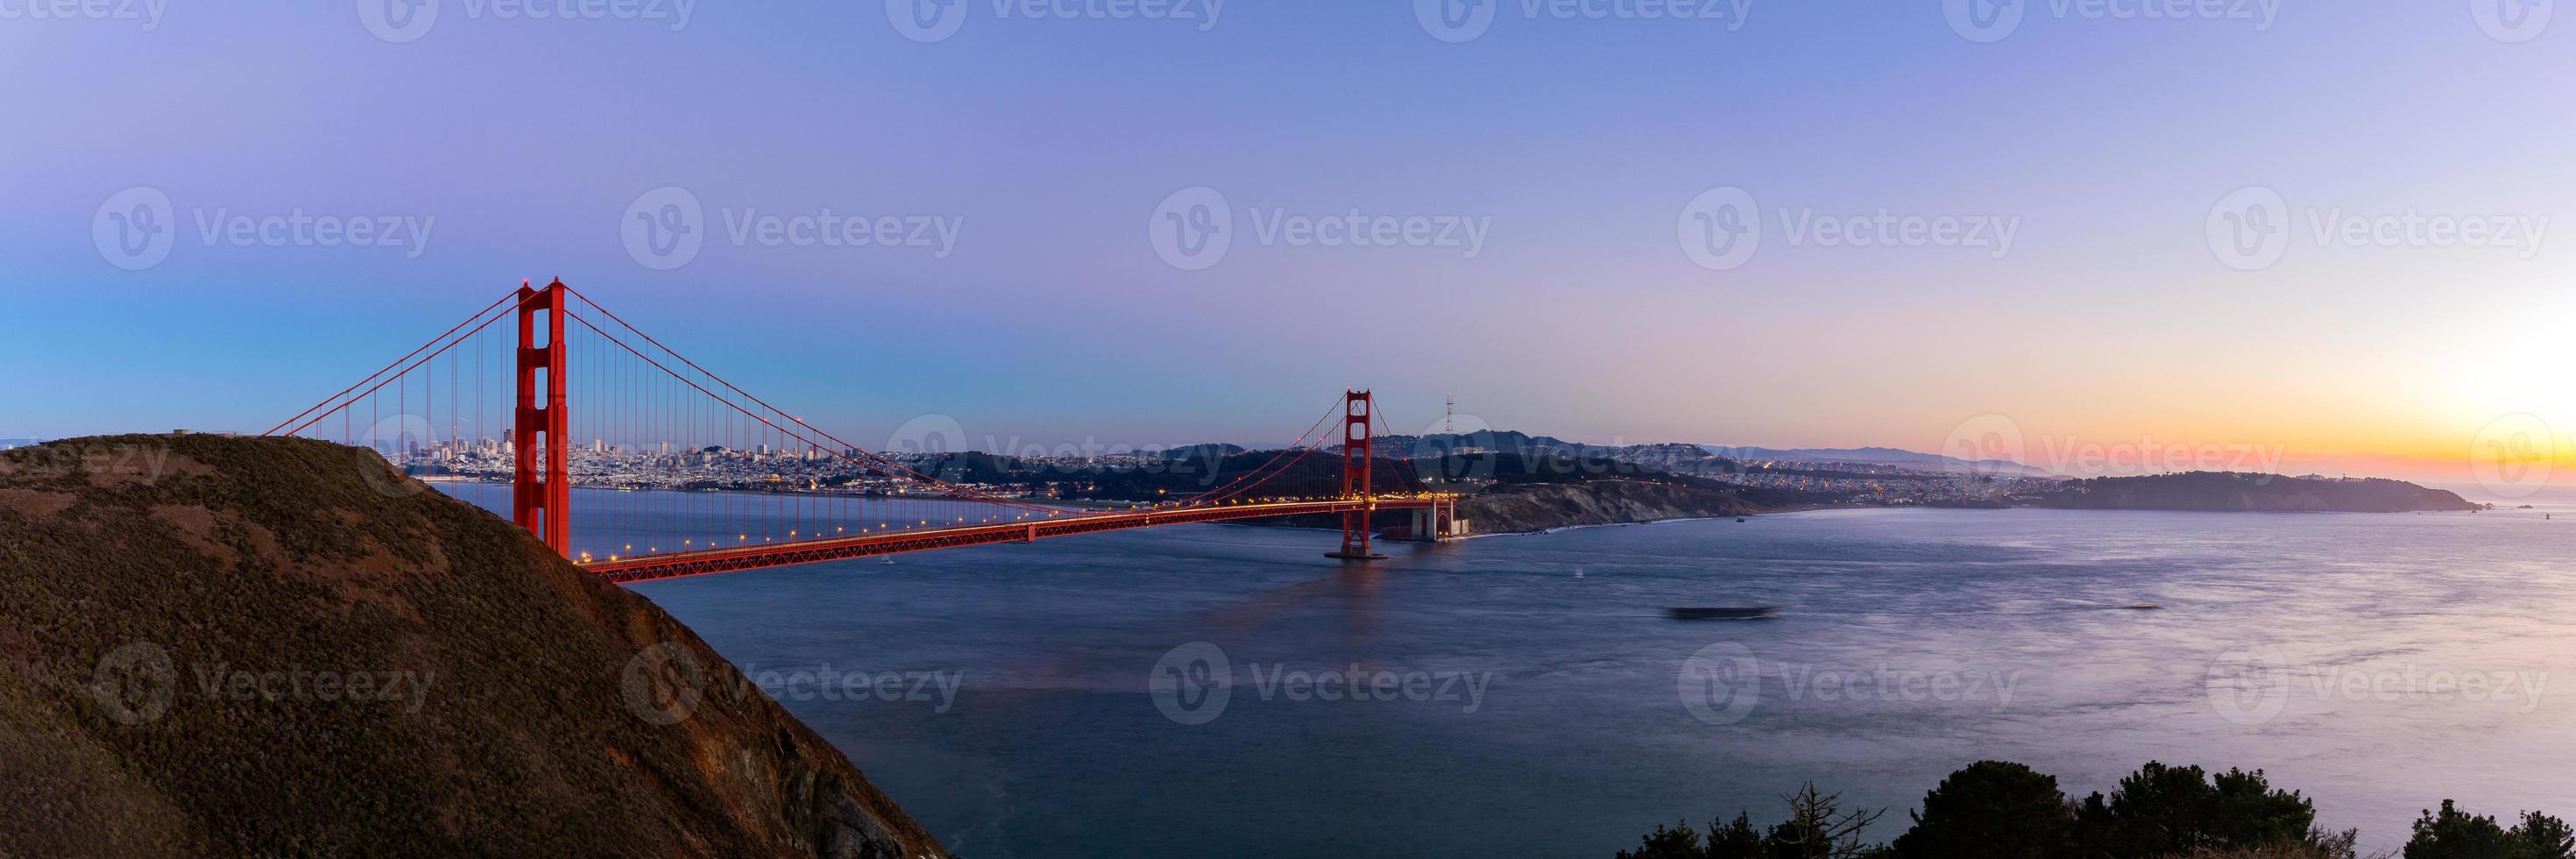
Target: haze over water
{"points": [[1051, 743]]}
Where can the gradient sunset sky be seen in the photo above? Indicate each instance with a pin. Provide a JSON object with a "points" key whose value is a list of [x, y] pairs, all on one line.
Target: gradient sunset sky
{"points": [[1054, 142]]}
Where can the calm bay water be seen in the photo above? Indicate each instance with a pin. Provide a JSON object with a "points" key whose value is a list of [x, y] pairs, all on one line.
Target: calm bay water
{"points": [[2377, 663]]}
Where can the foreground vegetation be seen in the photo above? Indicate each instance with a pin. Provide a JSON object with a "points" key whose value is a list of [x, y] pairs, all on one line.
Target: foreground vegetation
{"points": [[1998, 810]]}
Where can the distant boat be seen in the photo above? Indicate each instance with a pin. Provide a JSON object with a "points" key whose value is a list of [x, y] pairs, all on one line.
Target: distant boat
{"points": [[1709, 613], [1742, 519], [2145, 606], [888, 562]]}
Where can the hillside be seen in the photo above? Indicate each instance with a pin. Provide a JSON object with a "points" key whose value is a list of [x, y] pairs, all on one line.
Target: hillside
{"points": [[2220, 491], [1541, 506], [237, 646]]}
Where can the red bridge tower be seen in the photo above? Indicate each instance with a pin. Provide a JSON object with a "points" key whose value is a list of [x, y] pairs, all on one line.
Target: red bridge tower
{"points": [[1359, 413], [541, 489]]}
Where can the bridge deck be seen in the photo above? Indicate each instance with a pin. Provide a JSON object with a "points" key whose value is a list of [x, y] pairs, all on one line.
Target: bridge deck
{"points": [[734, 560]]}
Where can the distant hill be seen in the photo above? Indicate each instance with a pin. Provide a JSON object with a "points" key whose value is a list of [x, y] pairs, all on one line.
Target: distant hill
{"points": [[1542, 506], [1509, 441], [1204, 451], [269, 647], [1876, 455], [2220, 491]]}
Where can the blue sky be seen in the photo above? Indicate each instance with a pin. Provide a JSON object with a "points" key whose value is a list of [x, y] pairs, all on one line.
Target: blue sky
{"points": [[1051, 144]]}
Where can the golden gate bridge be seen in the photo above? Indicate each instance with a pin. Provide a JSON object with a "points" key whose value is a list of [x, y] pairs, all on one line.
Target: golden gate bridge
{"points": [[577, 370]]}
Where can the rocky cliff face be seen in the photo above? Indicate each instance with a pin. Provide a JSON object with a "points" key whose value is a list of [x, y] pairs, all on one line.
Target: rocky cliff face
{"points": [[1539, 507], [281, 647]]}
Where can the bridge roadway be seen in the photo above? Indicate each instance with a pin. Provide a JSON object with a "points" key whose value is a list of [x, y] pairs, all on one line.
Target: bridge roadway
{"points": [[741, 558]]}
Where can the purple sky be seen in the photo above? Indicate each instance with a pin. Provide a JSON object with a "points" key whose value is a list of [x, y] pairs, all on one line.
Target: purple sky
{"points": [[1541, 172]]}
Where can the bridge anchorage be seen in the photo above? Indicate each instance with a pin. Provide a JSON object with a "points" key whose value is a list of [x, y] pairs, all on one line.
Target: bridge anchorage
{"points": [[708, 457]]}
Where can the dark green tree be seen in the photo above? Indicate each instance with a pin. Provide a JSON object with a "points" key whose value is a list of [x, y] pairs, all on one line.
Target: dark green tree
{"points": [[1737, 840], [1679, 842], [1991, 810], [1818, 828], [2545, 837], [2095, 836], [2247, 812], [2161, 810], [2455, 834]]}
